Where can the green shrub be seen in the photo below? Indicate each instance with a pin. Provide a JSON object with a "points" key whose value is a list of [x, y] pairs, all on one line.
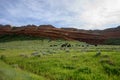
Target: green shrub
{"points": [[85, 70], [69, 67], [111, 69], [3, 57]]}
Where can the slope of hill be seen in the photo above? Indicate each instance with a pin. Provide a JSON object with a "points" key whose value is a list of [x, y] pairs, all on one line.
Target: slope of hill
{"points": [[23, 56], [112, 32], [109, 33], [9, 73], [112, 35], [53, 33], [49, 31]]}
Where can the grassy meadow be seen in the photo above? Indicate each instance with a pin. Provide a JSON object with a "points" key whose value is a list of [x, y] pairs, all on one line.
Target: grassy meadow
{"points": [[33, 58]]}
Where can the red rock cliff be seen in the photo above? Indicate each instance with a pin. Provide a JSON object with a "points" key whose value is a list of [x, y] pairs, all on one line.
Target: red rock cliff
{"points": [[52, 32]]}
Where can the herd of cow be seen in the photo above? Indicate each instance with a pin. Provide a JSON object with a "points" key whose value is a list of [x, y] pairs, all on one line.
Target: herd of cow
{"points": [[69, 45]]}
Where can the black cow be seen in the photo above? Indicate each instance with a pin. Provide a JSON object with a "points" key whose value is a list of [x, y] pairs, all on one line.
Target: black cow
{"points": [[66, 45], [53, 45]]}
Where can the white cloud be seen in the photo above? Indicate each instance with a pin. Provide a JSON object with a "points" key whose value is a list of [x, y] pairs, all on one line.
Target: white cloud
{"points": [[101, 13], [87, 14]]}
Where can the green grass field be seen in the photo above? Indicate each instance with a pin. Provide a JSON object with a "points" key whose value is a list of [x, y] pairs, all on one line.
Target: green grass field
{"points": [[32, 58]]}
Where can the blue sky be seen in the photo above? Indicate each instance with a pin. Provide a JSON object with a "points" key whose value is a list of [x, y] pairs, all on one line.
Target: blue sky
{"points": [[82, 14]]}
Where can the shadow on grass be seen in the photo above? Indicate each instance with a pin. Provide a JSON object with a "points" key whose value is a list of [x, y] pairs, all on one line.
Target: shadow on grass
{"points": [[15, 37]]}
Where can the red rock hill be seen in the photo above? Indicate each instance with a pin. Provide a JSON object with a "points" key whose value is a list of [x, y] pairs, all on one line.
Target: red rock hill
{"points": [[53, 33]]}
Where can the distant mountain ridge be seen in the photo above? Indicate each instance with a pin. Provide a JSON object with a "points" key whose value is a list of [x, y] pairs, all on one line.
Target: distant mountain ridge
{"points": [[89, 36]]}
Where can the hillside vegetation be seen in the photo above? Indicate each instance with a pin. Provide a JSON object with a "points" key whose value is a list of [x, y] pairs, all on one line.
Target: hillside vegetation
{"points": [[112, 41], [33, 58]]}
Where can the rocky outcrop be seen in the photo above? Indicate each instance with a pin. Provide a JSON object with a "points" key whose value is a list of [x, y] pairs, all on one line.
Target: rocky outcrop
{"points": [[52, 32]]}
